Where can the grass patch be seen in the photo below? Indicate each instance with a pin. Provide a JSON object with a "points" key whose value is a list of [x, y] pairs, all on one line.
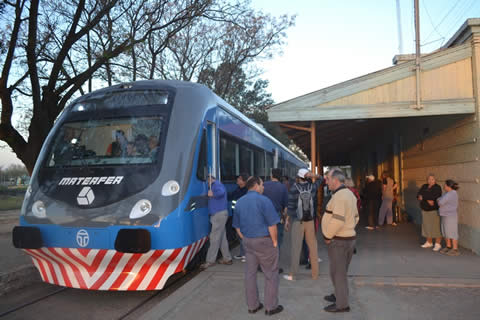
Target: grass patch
{"points": [[10, 202]]}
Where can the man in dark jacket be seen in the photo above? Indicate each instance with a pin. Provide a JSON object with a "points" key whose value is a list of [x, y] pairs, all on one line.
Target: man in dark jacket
{"points": [[372, 194], [277, 192]]}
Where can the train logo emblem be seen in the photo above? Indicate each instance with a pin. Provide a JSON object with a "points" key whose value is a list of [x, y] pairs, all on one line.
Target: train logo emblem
{"points": [[82, 238], [86, 196]]}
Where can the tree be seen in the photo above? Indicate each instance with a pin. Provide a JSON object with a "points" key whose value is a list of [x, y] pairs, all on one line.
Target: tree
{"points": [[57, 50], [45, 62]]}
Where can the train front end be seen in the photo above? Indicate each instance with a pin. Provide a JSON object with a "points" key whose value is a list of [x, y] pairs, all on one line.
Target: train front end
{"points": [[104, 207]]}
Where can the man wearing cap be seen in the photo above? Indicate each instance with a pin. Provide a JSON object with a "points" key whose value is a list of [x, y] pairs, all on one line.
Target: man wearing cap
{"points": [[217, 209], [338, 228], [302, 223]]}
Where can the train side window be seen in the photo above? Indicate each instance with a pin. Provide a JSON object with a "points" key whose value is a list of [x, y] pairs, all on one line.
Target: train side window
{"points": [[259, 163], [246, 159], [269, 164], [228, 158], [202, 169]]}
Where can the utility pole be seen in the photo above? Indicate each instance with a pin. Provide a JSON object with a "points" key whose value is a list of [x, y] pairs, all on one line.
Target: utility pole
{"points": [[399, 25], [418, 104]]}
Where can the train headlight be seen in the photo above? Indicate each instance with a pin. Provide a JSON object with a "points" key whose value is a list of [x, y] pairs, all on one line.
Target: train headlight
{"points": [[170, 188], [141, 209], [39, 209], [79, 107]]}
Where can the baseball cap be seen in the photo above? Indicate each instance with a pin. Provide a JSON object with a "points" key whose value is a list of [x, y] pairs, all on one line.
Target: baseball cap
{"points": [[302, 172]]}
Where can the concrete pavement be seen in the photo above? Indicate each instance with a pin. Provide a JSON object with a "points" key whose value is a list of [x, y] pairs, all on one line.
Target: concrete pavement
{"points": [[16, 268], [391, 277]]}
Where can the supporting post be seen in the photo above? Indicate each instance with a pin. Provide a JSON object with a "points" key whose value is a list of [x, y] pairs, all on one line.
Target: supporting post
{"points": [[313, 145]]}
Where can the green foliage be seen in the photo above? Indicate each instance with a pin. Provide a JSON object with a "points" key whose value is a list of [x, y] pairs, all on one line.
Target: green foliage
{"points": [[10, 202]]}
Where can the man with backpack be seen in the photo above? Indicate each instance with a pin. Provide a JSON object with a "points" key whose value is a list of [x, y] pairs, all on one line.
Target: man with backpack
{"points": [[301, 220]]}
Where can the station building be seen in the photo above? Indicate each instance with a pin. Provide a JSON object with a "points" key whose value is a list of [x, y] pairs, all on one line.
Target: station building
{"points": [[374, 124]]}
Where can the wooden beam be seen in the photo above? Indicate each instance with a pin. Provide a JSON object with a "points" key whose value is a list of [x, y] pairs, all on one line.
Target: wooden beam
{"points": [[291, 126], [372, 111]]}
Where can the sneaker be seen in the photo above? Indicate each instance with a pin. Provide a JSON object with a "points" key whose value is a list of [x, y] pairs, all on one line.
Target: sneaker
{"points": [[330, 298], [288, 277], [437, 247], [227, 262], [278, 309], [394, 224], [445, 250], [333, 308], [370, 228], [206, 265], [453, 252], [260, 306], [239, 257], [427, 245]]}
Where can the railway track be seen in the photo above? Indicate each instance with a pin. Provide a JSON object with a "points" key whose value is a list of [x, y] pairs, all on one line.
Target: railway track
{"points": [[56, 297]]}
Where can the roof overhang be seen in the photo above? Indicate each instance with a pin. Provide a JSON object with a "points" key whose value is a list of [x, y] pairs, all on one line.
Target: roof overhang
{"points": [[344, 121]]}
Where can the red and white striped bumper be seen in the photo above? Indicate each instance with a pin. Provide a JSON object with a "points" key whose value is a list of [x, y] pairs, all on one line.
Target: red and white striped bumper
{"points": [[100, 269]]}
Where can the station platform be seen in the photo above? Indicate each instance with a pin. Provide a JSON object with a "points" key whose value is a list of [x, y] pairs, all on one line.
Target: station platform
{"points": [[16, 268], [390, 277]]}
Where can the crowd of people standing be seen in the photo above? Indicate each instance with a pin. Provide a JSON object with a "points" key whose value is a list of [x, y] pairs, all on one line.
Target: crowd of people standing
{"points": [[263, 211], [439, 212]]}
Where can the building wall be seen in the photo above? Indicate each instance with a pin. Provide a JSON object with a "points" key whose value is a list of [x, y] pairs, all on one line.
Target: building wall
{"points": [[450, 81]]}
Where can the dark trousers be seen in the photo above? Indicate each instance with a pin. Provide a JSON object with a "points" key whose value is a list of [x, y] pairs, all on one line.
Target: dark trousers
{"points": [[260, 251], [340, 254], [230, 230], [372, 209], [280, 227]]}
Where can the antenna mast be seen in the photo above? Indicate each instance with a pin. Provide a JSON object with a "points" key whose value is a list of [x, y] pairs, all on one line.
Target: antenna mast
{"points": [[399, 25]]}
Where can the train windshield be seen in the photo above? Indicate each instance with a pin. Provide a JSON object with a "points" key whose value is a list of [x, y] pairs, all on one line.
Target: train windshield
{"points": [[128, 140]]}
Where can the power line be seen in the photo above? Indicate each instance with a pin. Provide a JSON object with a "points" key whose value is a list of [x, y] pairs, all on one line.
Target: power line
{"points": [[444, 17], [431, 22], [462, 12]]}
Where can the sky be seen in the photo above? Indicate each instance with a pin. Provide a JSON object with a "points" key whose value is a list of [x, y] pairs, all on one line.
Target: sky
{"points": [[337, 40]]}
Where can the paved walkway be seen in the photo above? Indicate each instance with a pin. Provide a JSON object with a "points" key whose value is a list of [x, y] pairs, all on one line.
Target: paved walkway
{"points": [[16, 268], [391, 277]]}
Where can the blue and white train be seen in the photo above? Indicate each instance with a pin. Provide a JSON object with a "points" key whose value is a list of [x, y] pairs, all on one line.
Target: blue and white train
{"points": [[117, 197]]}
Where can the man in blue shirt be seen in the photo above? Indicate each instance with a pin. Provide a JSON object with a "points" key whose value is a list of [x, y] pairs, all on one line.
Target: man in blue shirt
{"points": [[256, 222], [277, 192], [217, 209]]}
